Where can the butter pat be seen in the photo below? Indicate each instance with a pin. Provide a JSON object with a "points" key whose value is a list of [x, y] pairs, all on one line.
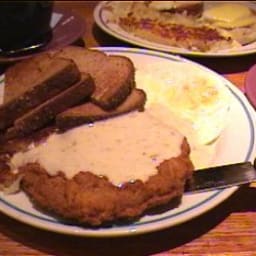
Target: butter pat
{"points": [[230, 15]]}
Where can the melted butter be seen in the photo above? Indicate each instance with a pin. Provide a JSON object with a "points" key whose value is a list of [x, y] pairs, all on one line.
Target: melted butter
{"points": [[124, 148], [238, 23], [230, 15]]}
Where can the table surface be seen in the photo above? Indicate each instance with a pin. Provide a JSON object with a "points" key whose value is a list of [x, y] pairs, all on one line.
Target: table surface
{"points": [[228, 229]]}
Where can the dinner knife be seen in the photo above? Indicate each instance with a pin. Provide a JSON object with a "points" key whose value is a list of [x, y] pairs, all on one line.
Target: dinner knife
{"points": [[221, 177]]}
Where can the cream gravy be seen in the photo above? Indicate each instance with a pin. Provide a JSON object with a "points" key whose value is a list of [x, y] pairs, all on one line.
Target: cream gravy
{"points": [[123, 148]]}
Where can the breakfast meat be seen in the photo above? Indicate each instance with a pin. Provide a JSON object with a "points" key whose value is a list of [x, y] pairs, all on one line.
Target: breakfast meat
{"points": [[90, 199], [90, 112], [31, 82], [113, 75]]}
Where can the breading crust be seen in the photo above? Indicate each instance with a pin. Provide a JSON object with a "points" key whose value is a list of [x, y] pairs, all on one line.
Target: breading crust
{"points": [[90, 199]]}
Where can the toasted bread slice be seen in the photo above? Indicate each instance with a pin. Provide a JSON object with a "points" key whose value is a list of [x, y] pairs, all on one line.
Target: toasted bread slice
{"points": [[33, 81], [113, 75], [41, 115], [90, 112]]}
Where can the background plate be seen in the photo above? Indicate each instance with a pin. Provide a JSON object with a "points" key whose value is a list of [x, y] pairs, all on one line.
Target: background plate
{"points": [[101, 16], [230, 150]]}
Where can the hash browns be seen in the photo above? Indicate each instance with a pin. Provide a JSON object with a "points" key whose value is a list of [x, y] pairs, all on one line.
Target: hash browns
{"points": [[167, 28]]}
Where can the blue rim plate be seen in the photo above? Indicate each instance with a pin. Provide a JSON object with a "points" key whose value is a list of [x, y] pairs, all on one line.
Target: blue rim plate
{"points": [[230, 150]]}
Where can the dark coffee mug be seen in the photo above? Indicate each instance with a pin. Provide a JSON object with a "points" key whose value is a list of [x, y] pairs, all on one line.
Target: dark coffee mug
{"points": [[24, 24]]}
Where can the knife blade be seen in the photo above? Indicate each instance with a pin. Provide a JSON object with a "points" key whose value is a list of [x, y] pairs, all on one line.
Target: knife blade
{"points": [[220, 177]]}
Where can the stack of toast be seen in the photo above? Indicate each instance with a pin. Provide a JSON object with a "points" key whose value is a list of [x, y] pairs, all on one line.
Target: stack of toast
{"points": [[68, 87]]}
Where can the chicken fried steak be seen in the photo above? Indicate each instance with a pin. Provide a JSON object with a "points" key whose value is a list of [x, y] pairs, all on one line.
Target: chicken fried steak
{"points": [[91, 199]]}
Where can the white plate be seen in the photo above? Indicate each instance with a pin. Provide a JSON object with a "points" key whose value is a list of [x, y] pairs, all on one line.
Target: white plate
{"points": [[101, 16], [236, 143]]}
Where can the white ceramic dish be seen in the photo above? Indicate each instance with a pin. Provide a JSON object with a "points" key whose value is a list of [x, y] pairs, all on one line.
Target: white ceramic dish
{"points": [[101, 16], [236, 143]]}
